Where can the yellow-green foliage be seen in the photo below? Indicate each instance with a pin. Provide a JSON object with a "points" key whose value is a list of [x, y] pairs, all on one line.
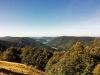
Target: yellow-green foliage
{"points": [[96, 70], [75, 61], [12, 54], [36, 56], [65, 42], [20, 68], [55, 59], [95, 52]]}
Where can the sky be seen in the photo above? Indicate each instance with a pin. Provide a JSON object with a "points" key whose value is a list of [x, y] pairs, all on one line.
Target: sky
{"points": [[49, 18]]}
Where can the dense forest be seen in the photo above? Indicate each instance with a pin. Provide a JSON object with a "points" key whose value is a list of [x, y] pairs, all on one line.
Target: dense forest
{"points": [[69, 56], [66, 42]]}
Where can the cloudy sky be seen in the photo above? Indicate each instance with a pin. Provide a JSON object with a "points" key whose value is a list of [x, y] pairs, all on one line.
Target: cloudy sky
{"points": [[49, 17]]}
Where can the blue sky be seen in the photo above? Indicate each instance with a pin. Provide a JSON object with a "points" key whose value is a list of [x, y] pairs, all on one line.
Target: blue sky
{"points": [[49, 17]]}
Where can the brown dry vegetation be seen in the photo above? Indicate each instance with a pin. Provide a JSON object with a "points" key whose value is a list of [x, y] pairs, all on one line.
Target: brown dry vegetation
{"points": [[18, 69]]}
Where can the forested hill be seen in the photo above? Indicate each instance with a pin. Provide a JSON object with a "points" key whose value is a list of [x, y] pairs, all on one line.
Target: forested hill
{"points": [[81, 55], [4, 43], [21, 41], [64, 42], [5, 38], [78, 60], [25, 41]]}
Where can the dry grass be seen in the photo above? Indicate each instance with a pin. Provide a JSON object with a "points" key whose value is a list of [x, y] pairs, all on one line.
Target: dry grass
{"points": [[20, 68]]}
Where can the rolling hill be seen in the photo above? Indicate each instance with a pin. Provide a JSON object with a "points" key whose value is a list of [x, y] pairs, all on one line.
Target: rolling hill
{"points": [[64, 42], [9, 68], [9, 44], [78, 60], [81, 56], [25, 41], [21, 42], [5, 38]]}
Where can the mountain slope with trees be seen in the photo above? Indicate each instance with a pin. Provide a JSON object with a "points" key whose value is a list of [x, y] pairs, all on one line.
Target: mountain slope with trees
{"points": [[34, 56], [22, 42], [78, 60], [81, 58], [65, 43], [25, 41]]}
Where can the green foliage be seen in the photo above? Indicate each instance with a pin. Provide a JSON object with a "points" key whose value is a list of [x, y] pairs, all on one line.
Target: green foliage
{"points": [[96, 70], [75, 61], [65, 43], [36, 56], [95, 52], [12, 54], [8, 44], [24, 41], [54, 59]]}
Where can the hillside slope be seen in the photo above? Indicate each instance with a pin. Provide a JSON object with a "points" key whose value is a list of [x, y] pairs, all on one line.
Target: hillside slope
{"points": [[21, 42], [25, 41], [7, 44], [64, 42], [18, 69], [78, 60]]}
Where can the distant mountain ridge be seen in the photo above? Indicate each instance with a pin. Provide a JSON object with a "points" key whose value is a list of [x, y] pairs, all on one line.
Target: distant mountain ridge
{"points": [[65, 42], [19, 42], [5, 38], [7, 44], [25, 41], [59, 43]]}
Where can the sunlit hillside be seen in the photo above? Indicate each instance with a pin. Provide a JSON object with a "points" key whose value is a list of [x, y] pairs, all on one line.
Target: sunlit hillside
{"points": [[18, 69]]}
